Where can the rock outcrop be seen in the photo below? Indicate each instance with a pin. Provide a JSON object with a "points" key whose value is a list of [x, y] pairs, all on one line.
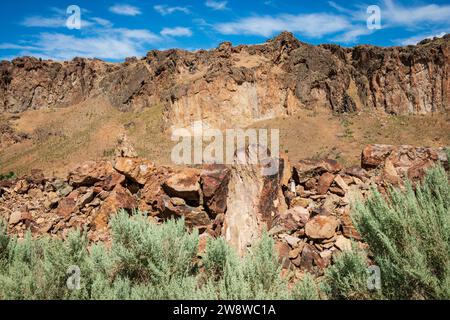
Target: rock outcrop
{"points": [[309, 219], [239, 85]]}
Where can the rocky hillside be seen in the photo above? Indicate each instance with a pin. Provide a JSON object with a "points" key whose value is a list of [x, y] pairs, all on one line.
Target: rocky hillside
{"points": [[242, 84], [305, 207]]}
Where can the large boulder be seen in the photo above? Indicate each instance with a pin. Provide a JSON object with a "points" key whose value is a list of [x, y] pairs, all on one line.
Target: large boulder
{"points": [[136, 169], [95, 172], [184, 184], [321, 227], [214, 182], [306, 169], [119, 198], [195, 217]]}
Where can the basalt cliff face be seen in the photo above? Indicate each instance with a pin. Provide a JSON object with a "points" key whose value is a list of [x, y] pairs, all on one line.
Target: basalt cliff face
{"points": [[239, 85]]}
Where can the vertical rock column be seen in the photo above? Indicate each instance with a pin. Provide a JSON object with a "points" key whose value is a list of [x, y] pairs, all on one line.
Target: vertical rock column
{"points": [[253, 200]]}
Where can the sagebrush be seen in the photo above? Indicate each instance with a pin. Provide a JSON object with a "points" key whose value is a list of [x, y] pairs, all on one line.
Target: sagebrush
{"points": [[408, 234], [145, 261]]}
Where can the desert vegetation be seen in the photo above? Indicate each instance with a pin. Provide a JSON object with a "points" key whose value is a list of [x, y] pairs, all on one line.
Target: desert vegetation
{"points": [[407, 232]]}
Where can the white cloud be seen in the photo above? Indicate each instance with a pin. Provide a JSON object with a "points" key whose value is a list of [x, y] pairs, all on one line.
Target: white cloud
{"points": [[137, 34], [13, 46], [310, 25], [125, 10], [395, 15], [352, 35], [100, 40], [102, 22], [216, 5], [415, 39], [112, 43], [412, 16], [176, 32], [60, 22], [44, 22], [165, 10]]}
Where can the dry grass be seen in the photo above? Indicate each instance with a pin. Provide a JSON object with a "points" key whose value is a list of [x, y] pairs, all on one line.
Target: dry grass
{"points": [[65, 137], [318, 133]]}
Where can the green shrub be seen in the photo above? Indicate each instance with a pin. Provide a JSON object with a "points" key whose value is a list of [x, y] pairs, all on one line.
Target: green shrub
{"points": [[409, 235], [348, 277], [145, 261], [9, 175], [255, 276], [306, 289]]}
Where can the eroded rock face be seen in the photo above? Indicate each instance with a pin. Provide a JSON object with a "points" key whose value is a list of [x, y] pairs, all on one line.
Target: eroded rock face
{"points": [[30, 83], [253, 201], [239, 85]]}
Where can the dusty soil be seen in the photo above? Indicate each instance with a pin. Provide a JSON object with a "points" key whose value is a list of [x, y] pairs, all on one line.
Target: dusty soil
{"points": [[62, 138]]}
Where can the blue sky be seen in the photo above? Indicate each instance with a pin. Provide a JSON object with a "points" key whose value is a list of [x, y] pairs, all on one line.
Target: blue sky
{"points": [[115, 29]]}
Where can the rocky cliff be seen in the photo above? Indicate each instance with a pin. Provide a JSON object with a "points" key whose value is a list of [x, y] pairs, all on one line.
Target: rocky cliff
{"points": [[242, 84]]}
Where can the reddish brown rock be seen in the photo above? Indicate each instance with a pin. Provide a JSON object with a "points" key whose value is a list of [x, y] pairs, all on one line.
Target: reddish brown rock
{"points": [[184, 184], [305, 169], [292, 219], [299, 202], [111, 181], [311, 184], [194, 216], [321, 227], [402, 157], [152, 191], [343, 244], [119, 198], [283, 250], [348, 229], [338, 191], [324, 183], [341, 183], [19, 216], [356, 171], [214, 181], [21, 186], [136, 169], [310, 258], [90, 172], [390, 175], [417, 171], [68, 205]]}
